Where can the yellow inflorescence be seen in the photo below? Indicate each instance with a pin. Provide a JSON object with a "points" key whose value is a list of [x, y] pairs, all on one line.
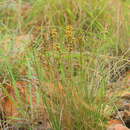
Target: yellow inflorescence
{"points": [[54, 34], [69, 32], [57, 47]]}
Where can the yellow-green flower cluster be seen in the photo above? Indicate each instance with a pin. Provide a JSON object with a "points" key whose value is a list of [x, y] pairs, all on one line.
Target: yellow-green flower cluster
{"points": [[54, 34], [69, 38], [57, 47], [69, 32]]}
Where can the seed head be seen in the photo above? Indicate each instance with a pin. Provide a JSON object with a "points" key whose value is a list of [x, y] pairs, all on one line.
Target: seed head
{"points": [[54, 34], [69, 31]]}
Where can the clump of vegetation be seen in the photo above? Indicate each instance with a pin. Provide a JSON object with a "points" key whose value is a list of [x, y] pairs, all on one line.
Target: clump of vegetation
{"points": [[63, 54]]}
